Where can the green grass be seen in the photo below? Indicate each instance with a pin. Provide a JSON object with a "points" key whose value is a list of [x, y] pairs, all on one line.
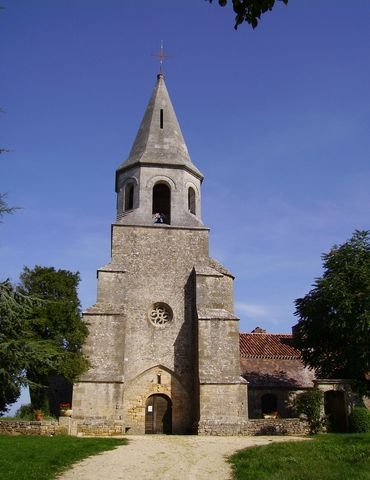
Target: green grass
{"points": [[42, 458], [325, 457]]}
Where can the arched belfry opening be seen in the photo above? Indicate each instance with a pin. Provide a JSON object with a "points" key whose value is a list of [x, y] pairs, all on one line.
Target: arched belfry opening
{"points": [[191, 201], [128, 197], [161, 206]]}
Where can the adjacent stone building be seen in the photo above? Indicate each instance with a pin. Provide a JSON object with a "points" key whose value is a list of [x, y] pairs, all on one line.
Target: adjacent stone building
{"points": [[275, 373], [163, 339]]}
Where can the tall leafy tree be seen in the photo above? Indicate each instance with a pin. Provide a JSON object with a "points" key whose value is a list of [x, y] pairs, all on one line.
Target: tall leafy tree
{"points": [[11, 361], [333, 332], [249, 11], [19, 348], [57, 321]]}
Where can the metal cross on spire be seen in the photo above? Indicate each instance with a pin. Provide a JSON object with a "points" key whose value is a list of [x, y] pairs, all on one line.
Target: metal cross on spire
{"points": [[161, 56]]}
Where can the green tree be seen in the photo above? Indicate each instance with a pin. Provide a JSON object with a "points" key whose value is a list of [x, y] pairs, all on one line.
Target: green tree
{"points": [[19, 348], [10, 364], [309, 403], [56, 321], [249, 11], [333, 332]]}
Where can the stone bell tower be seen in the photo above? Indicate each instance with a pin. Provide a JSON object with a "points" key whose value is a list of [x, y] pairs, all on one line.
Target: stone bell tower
{"points": [[163, 341]]}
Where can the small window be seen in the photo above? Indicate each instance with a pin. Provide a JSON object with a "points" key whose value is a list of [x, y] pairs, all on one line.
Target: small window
{"points": [[161, 118], [191, 200], [129, 197]]}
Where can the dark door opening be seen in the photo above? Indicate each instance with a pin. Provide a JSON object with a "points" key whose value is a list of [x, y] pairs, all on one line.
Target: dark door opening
{"points": [[269, 404], [335, 409], [158, 414]]}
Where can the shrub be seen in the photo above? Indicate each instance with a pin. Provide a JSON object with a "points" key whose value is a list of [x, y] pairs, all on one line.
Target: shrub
{"points": [[359, 420], [309, 404], [25, 412]]}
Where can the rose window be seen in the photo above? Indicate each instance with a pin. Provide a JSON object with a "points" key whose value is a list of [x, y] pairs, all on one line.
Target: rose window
{"points": [[160, 314]]}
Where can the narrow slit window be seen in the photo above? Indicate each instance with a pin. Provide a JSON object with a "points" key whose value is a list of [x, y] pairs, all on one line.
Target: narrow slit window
{"points": [[161, 118], [159, 379]]}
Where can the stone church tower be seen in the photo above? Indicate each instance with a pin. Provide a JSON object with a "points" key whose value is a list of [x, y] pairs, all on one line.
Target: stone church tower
{"points": [[163, 341]]}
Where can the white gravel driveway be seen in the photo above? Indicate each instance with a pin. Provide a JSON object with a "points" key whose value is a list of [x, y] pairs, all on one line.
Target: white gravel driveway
{"points": [[162, 457]]}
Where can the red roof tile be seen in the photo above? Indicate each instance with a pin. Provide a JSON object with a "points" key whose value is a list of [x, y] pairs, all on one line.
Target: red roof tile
{"points": [[266, 345]]}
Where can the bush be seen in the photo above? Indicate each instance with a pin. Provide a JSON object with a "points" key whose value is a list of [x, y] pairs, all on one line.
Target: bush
{"points": [[25, 412], [359, 420], [309, 404]]}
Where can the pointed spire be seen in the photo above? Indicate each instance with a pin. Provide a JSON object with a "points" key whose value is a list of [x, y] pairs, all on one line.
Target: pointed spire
{"points": [[159, 140]]}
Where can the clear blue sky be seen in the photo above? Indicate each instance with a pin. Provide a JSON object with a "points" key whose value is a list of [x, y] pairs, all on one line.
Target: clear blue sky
{"points": [[276, 118]]}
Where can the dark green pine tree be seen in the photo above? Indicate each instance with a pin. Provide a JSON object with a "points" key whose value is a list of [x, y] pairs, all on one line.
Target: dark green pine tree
{"points": [[57, 321]]}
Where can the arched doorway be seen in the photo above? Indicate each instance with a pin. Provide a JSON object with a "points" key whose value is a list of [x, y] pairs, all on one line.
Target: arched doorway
{"points": [[158, 414]]}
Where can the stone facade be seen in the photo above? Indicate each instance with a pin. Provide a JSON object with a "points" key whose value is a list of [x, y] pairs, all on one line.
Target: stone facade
{"points": [[163, 340]]}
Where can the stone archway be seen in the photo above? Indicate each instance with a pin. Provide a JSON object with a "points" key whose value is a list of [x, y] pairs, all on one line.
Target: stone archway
{"points": [[158, 414]]}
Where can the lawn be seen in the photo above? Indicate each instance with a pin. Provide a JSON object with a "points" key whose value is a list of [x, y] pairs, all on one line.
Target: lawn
{"points": [[42, 458], [325, 457]]}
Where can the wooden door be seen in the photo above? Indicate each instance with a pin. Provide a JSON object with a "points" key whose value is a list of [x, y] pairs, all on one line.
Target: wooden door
{"points": [[158, 414]]}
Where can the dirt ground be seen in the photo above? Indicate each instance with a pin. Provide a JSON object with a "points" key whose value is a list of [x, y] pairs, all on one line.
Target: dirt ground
{"points": [[163, 457]]}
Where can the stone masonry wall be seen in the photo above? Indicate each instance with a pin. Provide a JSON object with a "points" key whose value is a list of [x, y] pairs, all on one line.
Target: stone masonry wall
{"points": [[282, 426], [15, 427]]}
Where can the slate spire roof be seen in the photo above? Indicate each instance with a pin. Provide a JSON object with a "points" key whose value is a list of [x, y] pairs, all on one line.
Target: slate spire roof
{"points": [[159, 140]]}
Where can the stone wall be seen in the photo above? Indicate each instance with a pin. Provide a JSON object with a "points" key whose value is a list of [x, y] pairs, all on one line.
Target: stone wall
{"points": [[281, 426], [278, 426], [15, 427], [102, 427]]}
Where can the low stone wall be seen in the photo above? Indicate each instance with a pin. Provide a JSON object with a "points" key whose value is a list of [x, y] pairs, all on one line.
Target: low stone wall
{"points": [[222, 428], [100, 428], [15, 427], [277, 426], [263, 426]]}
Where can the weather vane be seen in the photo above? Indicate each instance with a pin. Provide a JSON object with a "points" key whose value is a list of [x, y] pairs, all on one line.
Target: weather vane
{"points": [[161, 56]]}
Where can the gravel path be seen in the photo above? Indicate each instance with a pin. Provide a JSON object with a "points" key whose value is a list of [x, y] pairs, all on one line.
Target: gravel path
{"points": [[162, 457]]}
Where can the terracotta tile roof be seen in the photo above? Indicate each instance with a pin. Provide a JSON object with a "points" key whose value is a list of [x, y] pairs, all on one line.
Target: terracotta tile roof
{"points": [[270, 361], [267, 345]]}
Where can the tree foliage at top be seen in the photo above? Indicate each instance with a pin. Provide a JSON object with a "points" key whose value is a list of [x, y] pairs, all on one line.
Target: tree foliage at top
{"points": [[333, 332], [249, 11], [4, 207]]}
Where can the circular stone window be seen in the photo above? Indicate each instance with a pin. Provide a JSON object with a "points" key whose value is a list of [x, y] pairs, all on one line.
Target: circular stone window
{"points": [[160, 314]]}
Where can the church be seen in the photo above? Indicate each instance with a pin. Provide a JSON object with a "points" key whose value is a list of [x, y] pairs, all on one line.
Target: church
{"points": [[164, 347], [163, 341]]}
